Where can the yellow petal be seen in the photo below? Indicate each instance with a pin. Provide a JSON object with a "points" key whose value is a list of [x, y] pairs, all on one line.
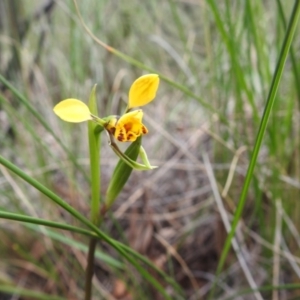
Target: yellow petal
{"points": [[73, 110], [129, 127], [143, 90]]}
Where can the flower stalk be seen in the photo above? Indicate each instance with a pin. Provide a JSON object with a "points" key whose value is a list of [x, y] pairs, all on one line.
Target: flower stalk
{"points": [[94, 149]]}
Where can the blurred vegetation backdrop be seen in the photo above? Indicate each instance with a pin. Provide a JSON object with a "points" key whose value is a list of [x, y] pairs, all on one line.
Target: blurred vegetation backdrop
{"points": [[216, 60]]}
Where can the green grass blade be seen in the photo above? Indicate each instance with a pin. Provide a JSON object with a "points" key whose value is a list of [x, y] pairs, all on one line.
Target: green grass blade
{"points": [[262, 65], [78, 245], [32, 110], [265, 288], [38, 221], [32, 220], [231, 48], [45, 191], [263, 124], [122, 251], [292, 52], [29, 294]]}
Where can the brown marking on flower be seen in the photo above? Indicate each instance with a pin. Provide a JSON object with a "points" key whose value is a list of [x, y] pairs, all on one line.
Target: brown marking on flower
{"points": [[144, 130], [127, 126], [120, 137], [112, 130]]}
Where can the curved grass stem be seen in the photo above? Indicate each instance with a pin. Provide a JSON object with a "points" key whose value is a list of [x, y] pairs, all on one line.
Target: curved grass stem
{"points": [[260, 134]]}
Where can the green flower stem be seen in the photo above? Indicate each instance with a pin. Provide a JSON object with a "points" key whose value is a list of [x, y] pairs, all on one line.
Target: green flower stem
{"points": [[263, 124], [121, 249], [94, 148]]}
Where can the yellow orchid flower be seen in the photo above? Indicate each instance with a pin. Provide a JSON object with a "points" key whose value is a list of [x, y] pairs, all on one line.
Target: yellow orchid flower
{"points": [[126, 128]]}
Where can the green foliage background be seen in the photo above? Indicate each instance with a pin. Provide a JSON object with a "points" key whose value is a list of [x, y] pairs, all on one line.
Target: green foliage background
{"points": [[217, 61]]}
